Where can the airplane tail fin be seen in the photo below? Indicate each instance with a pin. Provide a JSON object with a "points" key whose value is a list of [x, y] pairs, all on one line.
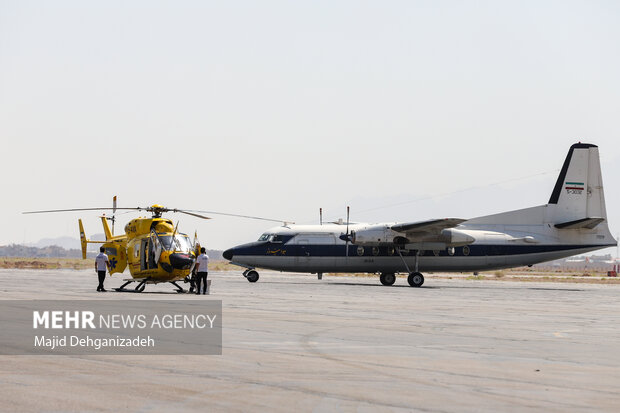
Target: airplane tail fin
{"points": [[578, 192], [83, 239]]}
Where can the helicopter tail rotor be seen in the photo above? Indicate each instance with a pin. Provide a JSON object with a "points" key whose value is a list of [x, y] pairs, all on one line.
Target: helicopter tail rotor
{"points": [[113, 213]]}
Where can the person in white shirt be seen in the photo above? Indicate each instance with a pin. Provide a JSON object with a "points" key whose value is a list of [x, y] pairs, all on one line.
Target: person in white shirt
{"points": [[101, 264], [202, 270]]}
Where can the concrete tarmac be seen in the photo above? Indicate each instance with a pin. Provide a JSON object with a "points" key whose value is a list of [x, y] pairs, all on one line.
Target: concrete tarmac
{"points": [[294, 343]]}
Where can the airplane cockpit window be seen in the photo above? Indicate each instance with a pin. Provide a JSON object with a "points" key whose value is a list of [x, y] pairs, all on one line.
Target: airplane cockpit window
{"points": [[275, 238]]}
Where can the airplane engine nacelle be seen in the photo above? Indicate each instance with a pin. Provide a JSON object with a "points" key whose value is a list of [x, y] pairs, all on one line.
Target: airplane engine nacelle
{"points": [[456, 238], [375, 235]]}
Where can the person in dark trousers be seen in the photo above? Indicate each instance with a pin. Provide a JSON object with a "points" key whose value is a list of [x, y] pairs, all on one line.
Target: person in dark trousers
{"points": [[101, 265], [202, 268]]}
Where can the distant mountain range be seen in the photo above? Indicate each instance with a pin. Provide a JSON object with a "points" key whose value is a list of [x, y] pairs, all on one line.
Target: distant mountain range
{"points": [[54, 251], [64, 247], [67, 243]]}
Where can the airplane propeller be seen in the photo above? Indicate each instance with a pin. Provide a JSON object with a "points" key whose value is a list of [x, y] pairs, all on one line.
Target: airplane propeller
{"points": [[347, 236]]}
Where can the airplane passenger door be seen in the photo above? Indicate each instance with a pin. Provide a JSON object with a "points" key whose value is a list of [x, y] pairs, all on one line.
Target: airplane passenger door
{"points": [[316, 250], [303, 258]]}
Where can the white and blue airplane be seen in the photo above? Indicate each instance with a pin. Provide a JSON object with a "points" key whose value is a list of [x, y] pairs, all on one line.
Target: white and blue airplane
{"points": [[574, 221]]}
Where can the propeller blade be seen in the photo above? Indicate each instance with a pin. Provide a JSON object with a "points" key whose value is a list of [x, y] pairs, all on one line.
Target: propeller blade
{"points": [[347, 243]]}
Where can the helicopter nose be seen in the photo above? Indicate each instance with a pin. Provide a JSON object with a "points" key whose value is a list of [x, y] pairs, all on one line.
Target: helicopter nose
{"points": [[228, 254], [181, 261]]}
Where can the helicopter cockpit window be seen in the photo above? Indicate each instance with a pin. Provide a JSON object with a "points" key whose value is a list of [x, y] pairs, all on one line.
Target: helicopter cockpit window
{"points": [[184, 244], [264, 237], [180, 243]]}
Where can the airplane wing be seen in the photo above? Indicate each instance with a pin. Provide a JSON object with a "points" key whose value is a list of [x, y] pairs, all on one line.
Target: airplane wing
{"points": [[433, 226]]}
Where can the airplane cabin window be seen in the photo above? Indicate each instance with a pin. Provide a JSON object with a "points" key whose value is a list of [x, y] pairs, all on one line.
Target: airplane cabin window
{"points": [[317, 239]]}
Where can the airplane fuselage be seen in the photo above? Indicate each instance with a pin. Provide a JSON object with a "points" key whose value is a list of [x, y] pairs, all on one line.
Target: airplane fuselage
{"points": [[318, 248], [574, 221]]}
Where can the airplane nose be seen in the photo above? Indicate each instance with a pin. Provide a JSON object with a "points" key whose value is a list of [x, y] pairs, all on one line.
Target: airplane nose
{"points": [[228, 254]]}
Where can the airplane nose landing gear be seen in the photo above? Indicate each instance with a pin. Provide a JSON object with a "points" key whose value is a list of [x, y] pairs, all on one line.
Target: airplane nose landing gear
{"points": [[251, 275]]}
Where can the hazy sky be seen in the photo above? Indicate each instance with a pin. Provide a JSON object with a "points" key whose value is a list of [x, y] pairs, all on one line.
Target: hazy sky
{"points": [[277, 108]]}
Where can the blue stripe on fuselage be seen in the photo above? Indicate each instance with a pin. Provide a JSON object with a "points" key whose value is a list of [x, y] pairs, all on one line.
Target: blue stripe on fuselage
{"points": [[317, 250]]}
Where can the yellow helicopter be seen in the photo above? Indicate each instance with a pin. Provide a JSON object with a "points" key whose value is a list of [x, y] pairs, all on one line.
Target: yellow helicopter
{"points": [[152, 247]]}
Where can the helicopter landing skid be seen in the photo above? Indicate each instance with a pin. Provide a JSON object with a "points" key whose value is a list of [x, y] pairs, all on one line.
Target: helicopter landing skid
{"points": [[139, 288], [179, 288], [142, 284]]}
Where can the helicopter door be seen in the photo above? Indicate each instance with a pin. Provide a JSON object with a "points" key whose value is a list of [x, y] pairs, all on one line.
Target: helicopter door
{"points": [[144, 244], [156, 248], [117, 257]]}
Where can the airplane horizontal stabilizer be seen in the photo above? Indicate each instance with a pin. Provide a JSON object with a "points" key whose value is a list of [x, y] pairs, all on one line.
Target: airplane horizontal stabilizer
{"points": [[589, 223]]}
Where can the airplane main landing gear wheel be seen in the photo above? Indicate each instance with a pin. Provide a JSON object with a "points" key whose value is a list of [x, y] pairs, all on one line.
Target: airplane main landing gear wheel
{"points": [[252, 276], [415, 279], [387, 278]]}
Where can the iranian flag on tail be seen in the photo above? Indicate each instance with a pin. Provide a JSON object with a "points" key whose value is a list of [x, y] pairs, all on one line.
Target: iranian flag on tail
{"points": [[575, 185]]}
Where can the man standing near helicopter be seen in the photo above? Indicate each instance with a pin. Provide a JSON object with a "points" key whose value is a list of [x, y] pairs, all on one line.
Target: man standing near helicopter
{"points": [[101, 264], [202, 268]]}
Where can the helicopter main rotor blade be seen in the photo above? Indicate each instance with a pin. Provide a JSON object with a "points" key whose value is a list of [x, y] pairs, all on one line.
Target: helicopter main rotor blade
{"points": [[243, 216], [189, 213], [78, 209]]}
